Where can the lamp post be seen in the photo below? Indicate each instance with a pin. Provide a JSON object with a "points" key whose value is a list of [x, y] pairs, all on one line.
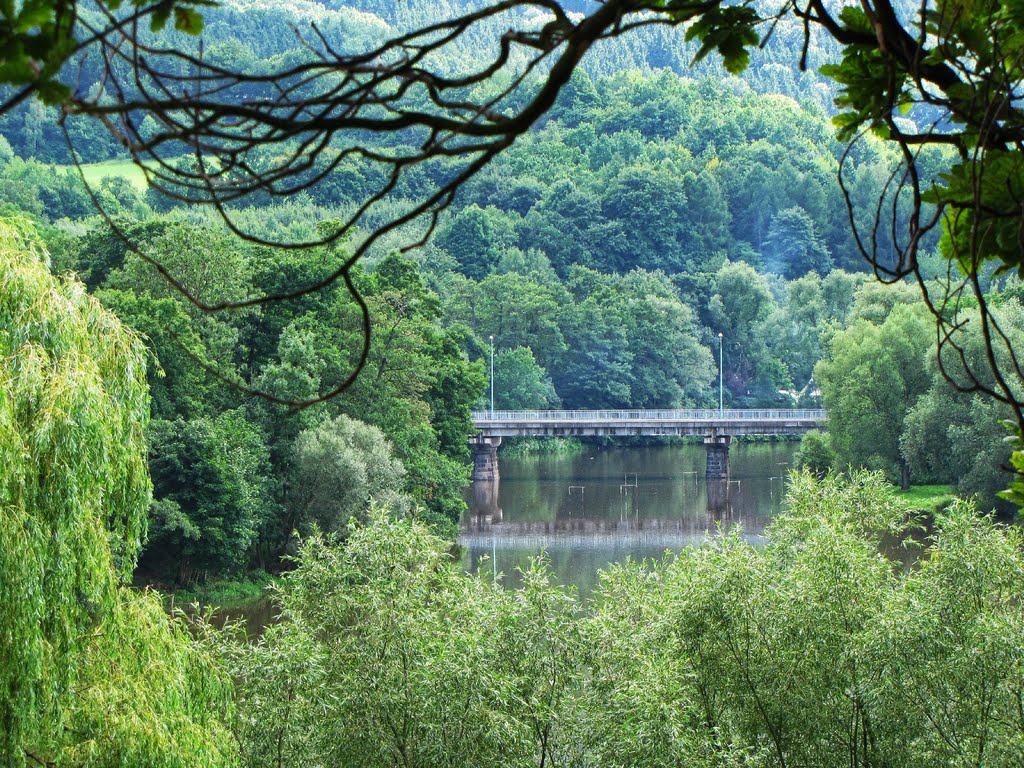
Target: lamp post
{"points": [[492, 375], [721, 411]]}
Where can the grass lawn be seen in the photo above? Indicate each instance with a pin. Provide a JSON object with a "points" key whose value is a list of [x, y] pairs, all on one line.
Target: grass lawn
{"points": [[96, 172], [928, 498]]}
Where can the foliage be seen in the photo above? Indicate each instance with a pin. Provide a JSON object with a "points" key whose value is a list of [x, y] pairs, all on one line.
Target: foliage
{"points": [[817, 648], [521, 384], [90, 672], [210, 479], [792, 247], [815, 454], [872, 377], [227, 467], [338, 468], [388, 653], [956, 433]]}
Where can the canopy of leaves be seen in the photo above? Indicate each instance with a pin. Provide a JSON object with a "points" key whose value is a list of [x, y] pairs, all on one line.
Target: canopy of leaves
{"points": [[90, 672], [816, 648]]}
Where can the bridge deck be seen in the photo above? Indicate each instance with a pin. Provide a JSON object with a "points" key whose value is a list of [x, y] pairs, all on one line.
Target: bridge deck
{"points": [[708, 422]]}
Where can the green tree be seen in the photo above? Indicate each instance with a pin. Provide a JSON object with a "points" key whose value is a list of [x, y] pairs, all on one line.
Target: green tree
{"points": [[792, 247], [630, 236], [959, 67], [91, 673], [211, 498], [953, 436], [388, 653], [418, 386], [815, 648], [559, 225], [741, 301], [670, 367], [815, 454], [595, 371], [792, 333], [520, 312], [477, 238], [338, 469], [870, 379], [520, 383]]}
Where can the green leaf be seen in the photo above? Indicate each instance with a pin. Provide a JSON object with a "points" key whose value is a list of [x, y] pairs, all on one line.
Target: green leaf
{"points": [[188, 20]]}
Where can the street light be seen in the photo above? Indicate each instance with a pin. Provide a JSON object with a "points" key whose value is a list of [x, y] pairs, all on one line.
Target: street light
{"points": [[492, 375], [721, 411]]}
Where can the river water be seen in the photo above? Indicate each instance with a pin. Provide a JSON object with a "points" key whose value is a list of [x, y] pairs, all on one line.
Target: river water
{"points": [[586, 510], [604, 504]]}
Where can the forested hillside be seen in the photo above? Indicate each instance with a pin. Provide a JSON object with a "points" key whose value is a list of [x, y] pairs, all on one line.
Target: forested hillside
{"points": [[654, 209]]}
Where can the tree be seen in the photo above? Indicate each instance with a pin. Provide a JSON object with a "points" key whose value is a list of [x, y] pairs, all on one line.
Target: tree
{"points": [[521, 312], [815, 647], [815, 454], [870, 379], [644, 222], [389, 653], [211, 498], [521, 384], [670, 367], [792, 247], [90, 671], [339, 469], [477, 238], [741, 301], [952, 436], [792, 333]]}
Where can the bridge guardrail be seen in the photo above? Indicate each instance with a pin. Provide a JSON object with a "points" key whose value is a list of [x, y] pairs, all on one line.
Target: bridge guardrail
{"points": [[692, 414]]}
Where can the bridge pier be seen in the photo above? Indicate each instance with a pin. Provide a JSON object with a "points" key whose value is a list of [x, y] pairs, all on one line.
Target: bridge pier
{"points": [[717, 447], [485, 457]]}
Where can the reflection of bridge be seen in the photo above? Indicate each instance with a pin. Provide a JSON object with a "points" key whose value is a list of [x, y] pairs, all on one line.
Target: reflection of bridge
{"points": [[716, 427]]}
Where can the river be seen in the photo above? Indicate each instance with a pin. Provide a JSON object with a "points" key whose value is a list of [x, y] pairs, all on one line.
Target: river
{"points": [[604, 504], [599, 506]]}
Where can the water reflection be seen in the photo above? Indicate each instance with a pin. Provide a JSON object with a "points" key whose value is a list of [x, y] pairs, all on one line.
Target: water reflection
{"points": [[604, 505]]}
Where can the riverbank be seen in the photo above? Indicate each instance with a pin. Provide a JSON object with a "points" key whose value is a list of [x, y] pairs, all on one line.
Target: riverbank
{"points": [[224, 593], [522, 447], [928, 498]]}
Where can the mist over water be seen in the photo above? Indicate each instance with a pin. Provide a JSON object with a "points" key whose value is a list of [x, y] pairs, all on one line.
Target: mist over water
{"points": [[606, 504]]}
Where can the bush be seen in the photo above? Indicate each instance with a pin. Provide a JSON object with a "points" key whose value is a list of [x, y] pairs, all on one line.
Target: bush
{"points": [[816, 649]]}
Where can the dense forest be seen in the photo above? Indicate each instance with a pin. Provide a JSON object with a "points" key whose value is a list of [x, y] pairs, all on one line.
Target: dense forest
{"points": [[605, 253], [658, 210]]}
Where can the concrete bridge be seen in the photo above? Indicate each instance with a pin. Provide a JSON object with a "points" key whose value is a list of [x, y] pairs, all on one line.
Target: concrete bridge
{"points": [[715, 426]]}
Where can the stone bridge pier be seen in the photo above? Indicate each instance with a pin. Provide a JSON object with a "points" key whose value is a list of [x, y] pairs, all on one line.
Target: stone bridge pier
{"points": [[485, 457], [717, 447]]}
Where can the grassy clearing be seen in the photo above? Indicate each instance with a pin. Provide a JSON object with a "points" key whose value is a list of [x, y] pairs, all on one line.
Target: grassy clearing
{"points": [[126, 169], [225, 593], [928, 498]]}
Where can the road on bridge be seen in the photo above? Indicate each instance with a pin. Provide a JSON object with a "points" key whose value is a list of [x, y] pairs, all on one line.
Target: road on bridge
{"points": [[707, 422]]}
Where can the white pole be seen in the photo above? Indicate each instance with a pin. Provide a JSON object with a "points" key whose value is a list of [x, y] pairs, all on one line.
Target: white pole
{"points": [[492, 376], [721, 411]]}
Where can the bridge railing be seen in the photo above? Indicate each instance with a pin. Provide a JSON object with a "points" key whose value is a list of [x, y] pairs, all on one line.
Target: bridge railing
{"points": [[692, 414]]}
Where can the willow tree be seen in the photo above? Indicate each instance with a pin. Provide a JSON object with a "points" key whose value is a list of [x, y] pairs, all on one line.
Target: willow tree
{"points": [[91, 673]]}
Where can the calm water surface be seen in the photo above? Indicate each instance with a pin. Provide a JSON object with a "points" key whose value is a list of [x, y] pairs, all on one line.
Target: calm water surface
{"points": [[602, 505]]}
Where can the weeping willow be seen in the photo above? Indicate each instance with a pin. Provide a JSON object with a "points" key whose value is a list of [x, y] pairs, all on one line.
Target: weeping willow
{"points": [[91, 672]]}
